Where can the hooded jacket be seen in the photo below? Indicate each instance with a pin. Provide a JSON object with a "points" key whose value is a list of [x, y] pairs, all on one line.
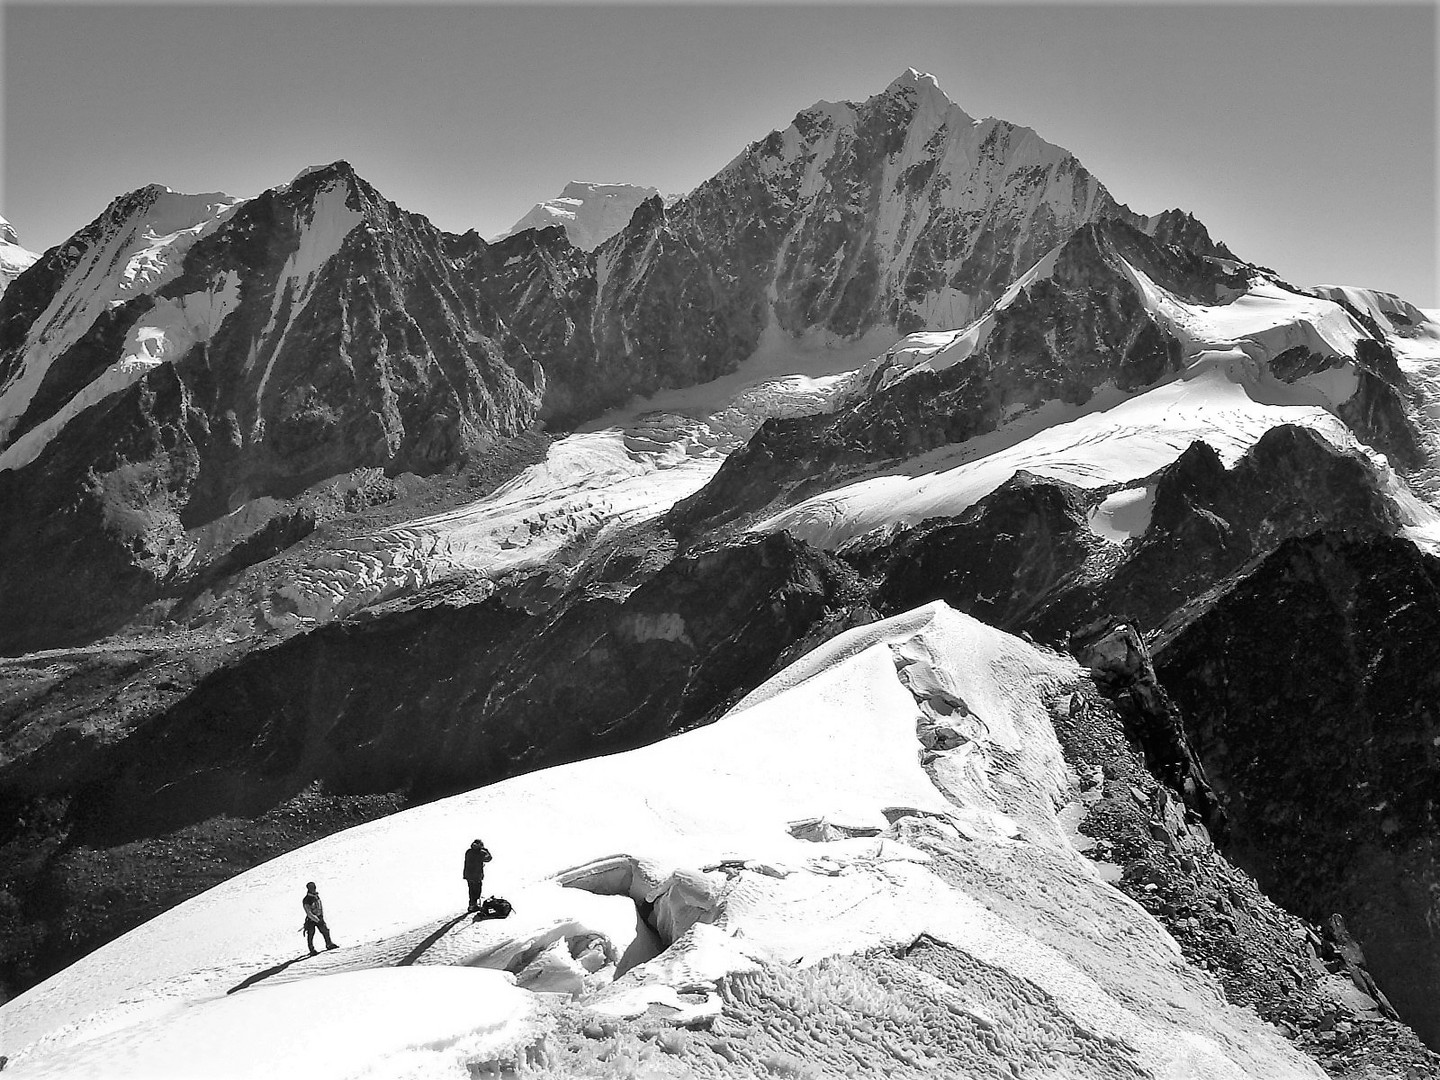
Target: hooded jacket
{"points": [[476, 856]]}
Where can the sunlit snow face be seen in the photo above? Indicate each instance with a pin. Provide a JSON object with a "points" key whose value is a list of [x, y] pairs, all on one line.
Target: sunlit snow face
{"points": [[801, 826]]}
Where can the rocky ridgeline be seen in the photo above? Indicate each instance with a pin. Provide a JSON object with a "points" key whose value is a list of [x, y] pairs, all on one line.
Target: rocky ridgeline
{"points": [[184, 356], [343, 333], [1060, 338], [263, 368], [1025, 557]]}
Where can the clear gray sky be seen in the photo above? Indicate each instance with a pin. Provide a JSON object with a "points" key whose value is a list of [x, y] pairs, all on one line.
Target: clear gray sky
{"points": [[1303, 135]]}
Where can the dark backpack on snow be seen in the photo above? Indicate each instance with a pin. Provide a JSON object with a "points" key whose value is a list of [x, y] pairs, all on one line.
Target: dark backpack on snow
{"points": [[496, 907]]}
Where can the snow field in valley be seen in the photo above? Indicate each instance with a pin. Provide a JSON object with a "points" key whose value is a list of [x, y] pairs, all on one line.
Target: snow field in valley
{"points": [[621, 469], [747, 923], [635, 463]]}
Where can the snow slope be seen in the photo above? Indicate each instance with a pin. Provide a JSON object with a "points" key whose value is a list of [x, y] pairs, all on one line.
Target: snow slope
{"points": [[163, 334], [1224, 398], [705, 828], [1414, 335], [137, 246], [589, 213]]}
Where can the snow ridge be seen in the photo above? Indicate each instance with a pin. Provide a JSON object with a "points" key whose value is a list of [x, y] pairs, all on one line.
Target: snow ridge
{"points": [[164, 333], [733, 892]]}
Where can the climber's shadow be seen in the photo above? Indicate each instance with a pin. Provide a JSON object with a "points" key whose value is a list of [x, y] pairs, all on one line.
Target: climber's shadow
{"points": [[419, 950], [253, 979]]}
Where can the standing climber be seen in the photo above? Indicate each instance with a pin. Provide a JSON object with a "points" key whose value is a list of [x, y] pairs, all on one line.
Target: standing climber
{"points": [[476, 856], [315, 919]]}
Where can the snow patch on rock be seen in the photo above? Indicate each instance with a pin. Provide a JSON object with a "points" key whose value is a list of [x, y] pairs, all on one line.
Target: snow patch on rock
{"points": [[331, 221], [1123, 515], [133, 256], [163, 334], [1263, 323]]}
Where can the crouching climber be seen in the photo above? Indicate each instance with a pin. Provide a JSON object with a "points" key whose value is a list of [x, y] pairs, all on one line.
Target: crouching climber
{"points": [[315, 919], [476, 856]]}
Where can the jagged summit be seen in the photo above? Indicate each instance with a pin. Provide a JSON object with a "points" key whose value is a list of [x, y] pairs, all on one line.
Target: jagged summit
{"points": [[912, 77], [339, 167], [924, 87], [904, 210]]}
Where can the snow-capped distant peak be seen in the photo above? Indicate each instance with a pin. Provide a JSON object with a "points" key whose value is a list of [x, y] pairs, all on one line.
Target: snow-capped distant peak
{"points": [[921, 81], [14, 259], [589, 213], [929, 98]]}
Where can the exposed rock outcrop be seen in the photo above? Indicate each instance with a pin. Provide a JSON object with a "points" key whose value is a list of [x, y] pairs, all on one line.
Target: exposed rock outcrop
{"points": [[1310, 688]]}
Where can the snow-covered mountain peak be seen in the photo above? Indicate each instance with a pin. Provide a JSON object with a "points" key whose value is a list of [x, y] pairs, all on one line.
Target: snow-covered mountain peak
{"points": [[14, 259], [925, 91], [937, 213], [132, 249], [590, 213], [912, 77], [340, 167]]}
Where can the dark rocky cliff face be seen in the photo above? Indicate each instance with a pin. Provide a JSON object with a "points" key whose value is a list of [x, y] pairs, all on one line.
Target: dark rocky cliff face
{"points": [[383, 355], [1311, 690], [897, 212], [1025, 556]]}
